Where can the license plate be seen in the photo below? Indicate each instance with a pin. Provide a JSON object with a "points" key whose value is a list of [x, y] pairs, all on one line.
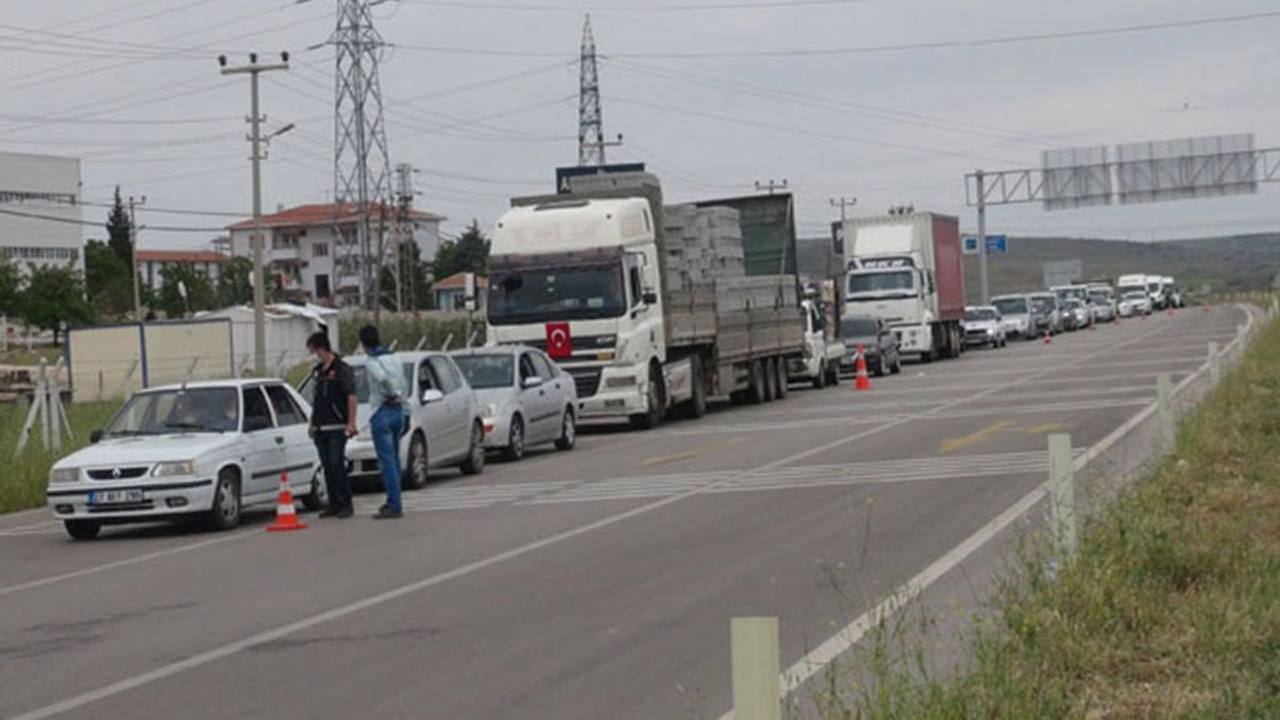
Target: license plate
{"points": [[115, 497]]}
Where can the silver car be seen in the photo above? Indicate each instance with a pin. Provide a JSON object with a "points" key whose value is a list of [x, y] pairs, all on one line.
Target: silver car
{"points": [[525, 399], [445, 429]]}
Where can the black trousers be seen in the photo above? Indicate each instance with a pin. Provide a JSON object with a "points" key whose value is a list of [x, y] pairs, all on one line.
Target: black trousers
{"points": [[332, 447]]}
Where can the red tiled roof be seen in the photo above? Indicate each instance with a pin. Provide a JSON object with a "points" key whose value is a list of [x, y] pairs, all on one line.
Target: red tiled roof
{"points": [[458, 281], [182, 256], [323, 214]]}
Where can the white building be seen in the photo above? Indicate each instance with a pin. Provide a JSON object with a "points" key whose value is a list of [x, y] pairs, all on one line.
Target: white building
{"points": [[40, 212], [302, 251]]}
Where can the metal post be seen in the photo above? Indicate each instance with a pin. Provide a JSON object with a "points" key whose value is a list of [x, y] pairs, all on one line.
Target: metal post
{"points": [[253, 70], [980, 177], [1215, 364], [133, 258], [42, 393], [756, 690], [1164, 408], [1062, 496]]}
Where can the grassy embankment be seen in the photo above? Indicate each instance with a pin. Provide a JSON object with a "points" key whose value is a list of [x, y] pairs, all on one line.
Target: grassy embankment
{"points": [[23, 475], [1170, 610]]}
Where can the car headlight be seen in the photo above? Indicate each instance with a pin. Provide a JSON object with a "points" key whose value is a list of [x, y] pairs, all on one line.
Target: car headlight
{"points": [[64, 475], [488, 411], [171, 469]]}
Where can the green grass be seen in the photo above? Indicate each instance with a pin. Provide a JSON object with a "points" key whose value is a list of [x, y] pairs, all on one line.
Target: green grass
{"points": [[1170, 610], [23, 479]]}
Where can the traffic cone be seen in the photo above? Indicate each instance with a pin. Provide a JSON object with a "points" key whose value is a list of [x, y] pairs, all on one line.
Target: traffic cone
{"points": [[863, 382], [1048, 338], [1206, 307], [1170, 310], [286, 515]]}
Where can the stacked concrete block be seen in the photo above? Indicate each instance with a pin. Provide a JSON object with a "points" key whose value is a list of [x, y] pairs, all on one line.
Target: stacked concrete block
{"points": [[702, 244]]}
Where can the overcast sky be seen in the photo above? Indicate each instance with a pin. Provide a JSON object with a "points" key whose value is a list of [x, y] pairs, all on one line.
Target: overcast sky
{"points": [[891, 101]]}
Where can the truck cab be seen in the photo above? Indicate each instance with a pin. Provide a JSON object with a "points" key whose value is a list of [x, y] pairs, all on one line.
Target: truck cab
{"points": [[823, 352]]}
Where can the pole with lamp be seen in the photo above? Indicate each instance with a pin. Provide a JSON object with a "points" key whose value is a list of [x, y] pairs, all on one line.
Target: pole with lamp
{"points": [[253, 70]]}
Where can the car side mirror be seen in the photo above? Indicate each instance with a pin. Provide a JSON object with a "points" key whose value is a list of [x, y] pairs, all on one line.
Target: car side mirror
{"points": [[95, 436], [254, 423], [532, 382], [650, 298], [431, 396]]}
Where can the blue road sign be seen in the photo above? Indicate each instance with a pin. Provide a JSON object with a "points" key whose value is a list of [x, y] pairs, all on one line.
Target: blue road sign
{"points": [[997, 244], [970, 245]]}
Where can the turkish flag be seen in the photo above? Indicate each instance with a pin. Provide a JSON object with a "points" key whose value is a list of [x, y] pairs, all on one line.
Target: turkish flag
{"points": [[559, 343]]}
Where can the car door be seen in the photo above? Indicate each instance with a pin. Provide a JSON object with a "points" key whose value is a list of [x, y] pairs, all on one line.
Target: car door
{"points": [[445, 418], [264, 445], [551, 396], [432, 417], [300, 456]]}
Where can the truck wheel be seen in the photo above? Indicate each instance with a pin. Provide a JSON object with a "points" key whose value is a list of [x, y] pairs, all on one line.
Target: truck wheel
{"points": [[833, 374], [657, 404], [697, 405], [782, 379], [820, 380], [926, 356], [756, 392]]}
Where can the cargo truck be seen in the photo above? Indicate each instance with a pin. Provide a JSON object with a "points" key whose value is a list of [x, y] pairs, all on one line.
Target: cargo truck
{"points": [[905, 269], [649, 308]]}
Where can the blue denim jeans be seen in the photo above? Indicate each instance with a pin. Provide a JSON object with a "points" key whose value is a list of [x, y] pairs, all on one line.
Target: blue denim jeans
{"points": [[385, 426]]}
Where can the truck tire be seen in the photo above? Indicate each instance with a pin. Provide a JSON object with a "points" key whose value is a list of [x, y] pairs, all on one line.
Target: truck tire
{"points": [[926, 356], [657, 403], [833, 374], [820, 380], [782, 379], [769, 366], [755, 383]]}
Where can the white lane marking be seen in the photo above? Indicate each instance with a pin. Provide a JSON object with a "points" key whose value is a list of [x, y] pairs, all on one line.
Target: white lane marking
{"points": [[171, 669], [124, 563], [840, 643]]}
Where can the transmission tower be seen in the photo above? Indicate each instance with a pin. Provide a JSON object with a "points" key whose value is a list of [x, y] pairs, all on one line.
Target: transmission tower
{"points": [[591, 142], [361, 163]]}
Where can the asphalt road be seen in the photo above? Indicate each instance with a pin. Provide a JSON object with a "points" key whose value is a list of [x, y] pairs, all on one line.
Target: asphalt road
{"points": [[597, 583]]}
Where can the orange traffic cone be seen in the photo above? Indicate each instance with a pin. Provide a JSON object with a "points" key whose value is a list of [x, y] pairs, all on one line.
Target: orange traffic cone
{"points": [[1206, 307], [863, 382], [1048, 338], [286, 515]]}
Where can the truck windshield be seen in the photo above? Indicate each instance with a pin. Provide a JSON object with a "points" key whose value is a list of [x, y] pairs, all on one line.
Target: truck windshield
{"points": [[894, 283], [551, 294], [1153, 287], [1126, 289], [1010, 306], [1043, 303]]}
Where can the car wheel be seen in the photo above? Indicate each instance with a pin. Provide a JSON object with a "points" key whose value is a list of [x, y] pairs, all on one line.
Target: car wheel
{"points": [[568, 432], [474, 464], [82, 529], [318, 498], [897, 364], [515, 440], [225, 513], [416, 472], [879, 371]]}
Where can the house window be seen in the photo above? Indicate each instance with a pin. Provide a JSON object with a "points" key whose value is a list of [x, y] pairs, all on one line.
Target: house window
{"points": [[320, 250]]}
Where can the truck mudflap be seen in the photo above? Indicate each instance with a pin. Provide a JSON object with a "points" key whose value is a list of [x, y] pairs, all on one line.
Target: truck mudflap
{"points": [[678, 376]]}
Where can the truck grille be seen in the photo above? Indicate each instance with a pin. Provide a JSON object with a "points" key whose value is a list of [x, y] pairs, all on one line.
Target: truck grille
{"points": [[587, 380]]}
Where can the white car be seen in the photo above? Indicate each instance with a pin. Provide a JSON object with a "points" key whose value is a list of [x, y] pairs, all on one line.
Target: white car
{"points": [[984, 326], [1135, 302], [445, 428], [525, 399], [199, 449]]}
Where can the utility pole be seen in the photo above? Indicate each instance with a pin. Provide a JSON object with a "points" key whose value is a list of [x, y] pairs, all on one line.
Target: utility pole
{"points": [[980, 178], [133, 249], [771, 186], [253, 70]]}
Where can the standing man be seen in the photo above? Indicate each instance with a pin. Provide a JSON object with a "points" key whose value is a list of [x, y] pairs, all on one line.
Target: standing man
{"points": [[386, 400], [333, 420]]}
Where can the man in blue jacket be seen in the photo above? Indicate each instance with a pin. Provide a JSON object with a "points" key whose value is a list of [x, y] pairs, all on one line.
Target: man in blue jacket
{"points": [[386, 400]]}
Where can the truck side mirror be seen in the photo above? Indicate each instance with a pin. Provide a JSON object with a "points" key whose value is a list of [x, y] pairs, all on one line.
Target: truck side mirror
{"points": [[650, 297]]}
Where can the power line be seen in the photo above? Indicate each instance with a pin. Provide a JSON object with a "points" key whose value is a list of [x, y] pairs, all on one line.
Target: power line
{"points": [[692, 7], [89, 223]]}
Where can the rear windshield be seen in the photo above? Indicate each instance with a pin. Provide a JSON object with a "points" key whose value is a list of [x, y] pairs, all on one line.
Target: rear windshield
{"points": [[1011, 306], [979, 314], [487, 370]]}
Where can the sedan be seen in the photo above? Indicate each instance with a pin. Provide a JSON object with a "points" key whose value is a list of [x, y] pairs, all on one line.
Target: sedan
{"points": [[444, 428], [1135, 303], [202, 449], [983, 326], [875, 338], [525, 399]]}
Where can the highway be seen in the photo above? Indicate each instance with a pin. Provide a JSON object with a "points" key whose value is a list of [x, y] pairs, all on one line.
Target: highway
{"points": [[597, 583]]}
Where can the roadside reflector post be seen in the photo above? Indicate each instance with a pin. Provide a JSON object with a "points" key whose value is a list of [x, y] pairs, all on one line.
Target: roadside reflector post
{"points": [[1062, 497], [1164, 409], [1215, 363], [756, 658]]}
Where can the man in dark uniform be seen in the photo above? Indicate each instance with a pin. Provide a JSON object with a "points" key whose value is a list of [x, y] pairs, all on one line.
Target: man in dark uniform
{"points": [[333, 420]]}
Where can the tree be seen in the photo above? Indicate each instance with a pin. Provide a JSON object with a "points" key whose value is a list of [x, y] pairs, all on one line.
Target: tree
{"points": [[10, 287], [235, 285], [54, 297], [469, 253], [107, 280], [120, 231], [177, 277]]}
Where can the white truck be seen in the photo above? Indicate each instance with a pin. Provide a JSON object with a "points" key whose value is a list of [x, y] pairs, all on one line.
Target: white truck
{"points": [[632, 300], [823, 351], [906, 270], [1152, 285]]}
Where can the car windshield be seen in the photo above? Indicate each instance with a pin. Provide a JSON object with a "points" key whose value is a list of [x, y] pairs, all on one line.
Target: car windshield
{"points": [[487, 370], [1011, 306], [979, 314], [215, 409], [893, 282], [859, 327], [1153, 287], [1072, 304], [551, 294]]}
